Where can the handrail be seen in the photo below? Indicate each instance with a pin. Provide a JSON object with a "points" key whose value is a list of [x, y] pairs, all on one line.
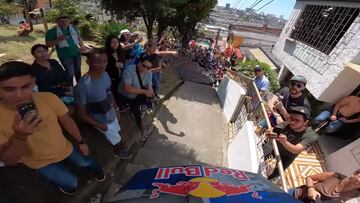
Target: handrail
{"points": [[252, 112], [273, 141]]}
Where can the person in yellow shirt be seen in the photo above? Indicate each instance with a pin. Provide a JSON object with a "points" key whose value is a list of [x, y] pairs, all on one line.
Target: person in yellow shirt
{"points": [[34, 137]]}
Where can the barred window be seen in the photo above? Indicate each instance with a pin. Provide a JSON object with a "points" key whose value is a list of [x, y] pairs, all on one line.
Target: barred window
{"points": [[322, 27]]}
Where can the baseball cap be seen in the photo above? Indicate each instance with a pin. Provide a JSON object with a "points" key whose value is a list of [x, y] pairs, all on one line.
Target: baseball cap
{"points": [[257, 67], [125, 31], [299, 78], [300, 109]]}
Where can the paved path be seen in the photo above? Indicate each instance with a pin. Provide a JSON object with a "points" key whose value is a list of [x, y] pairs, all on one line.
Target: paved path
{"points": [[190, 128]]}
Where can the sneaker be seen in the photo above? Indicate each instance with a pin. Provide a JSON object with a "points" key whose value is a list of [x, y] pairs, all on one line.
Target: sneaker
{"points": [[123, 154], [68, 191], [101, 177]]}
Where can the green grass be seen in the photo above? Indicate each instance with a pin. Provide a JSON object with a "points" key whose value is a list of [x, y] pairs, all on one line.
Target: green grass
{"points": [[18, 48]]}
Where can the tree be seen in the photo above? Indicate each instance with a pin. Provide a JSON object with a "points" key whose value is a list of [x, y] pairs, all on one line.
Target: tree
{"points": [[27, 6], [190, 12], [183, 14], [146, 9]]}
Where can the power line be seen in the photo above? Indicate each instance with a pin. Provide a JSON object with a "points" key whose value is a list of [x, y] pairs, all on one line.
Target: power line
{"points": [[256, 10], [236, 5], [243, 4], [256, 3], [264, 6]]}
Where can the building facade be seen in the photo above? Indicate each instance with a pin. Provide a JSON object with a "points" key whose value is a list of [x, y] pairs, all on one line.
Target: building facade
{"points": [[321, 41]]}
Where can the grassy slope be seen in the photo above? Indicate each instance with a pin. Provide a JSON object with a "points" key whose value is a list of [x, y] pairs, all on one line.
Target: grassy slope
{"points": [[18, 48]]}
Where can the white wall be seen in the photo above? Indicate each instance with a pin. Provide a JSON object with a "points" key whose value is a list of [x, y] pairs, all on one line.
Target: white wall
{"points": [[230, 95], [242, 152], [319, 69], [346, 160]]}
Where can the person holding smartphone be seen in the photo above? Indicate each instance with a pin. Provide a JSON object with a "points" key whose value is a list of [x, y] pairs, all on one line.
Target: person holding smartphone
{"points": [[31, 130], [293, 137]]}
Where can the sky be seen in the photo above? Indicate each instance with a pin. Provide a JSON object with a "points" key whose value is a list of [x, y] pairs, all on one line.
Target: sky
{"points": [[277, 7]]}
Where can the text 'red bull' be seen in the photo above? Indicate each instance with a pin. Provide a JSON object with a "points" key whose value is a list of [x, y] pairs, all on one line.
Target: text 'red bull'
{"points": [[195, 171]]}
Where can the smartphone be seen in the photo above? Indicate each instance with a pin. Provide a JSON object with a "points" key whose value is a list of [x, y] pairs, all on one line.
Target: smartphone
{"points": [[277, 130], [26, 108]]}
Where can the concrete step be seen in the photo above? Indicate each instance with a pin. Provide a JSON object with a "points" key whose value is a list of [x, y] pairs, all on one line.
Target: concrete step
{"points": [[130, 170], [166, 146], [158, 158]]}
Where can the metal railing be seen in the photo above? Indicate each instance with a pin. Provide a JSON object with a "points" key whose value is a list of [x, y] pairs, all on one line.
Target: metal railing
{"points": [[252, 108]]}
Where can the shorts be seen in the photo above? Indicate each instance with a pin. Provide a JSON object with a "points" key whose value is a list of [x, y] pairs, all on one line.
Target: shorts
{"points": [[113, 132]]}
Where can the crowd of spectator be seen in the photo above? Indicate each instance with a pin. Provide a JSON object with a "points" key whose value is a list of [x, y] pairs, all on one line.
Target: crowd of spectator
{"points": [[126, 76], [36, 98]]}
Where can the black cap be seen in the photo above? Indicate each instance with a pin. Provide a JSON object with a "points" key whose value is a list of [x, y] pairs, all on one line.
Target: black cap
{"points": [[300, 109]]}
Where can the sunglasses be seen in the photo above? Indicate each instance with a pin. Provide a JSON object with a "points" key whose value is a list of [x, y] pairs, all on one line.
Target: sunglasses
{"points": [[145, 66], [257, 71], [298, 85]]}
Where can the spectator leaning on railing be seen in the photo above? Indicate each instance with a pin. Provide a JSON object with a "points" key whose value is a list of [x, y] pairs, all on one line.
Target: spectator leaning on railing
{"points": [[261, 81], [292, 137], [31, 130], [292, 96]]}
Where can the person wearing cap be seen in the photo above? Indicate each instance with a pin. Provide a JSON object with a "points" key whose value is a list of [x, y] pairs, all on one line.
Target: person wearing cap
{"points": [[292, 96], [347, 110], [137, 49], [125, 42], [261, 81], [293, 137], [68, 43]]}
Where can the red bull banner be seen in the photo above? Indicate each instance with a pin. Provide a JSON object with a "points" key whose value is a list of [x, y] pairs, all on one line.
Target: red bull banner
{"points": [[198, 184]]}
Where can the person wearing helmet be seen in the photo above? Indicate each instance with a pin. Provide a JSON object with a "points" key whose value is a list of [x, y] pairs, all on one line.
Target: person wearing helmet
{"points": [[292, 96]]}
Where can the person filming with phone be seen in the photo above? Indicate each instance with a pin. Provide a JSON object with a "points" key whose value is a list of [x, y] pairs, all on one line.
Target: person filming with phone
{"points": [[31, 130], [293, 137]]}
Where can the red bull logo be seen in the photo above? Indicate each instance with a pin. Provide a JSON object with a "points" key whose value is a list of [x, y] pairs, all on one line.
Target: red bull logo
{"points": [[203, 187], [181, 188]]}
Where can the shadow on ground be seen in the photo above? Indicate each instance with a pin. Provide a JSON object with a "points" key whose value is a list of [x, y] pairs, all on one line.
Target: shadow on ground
{"points": [[20, 184]]}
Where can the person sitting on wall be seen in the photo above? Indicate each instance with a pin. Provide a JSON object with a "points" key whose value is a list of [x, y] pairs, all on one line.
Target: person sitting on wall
{"points": [[346, 111], [293, 137], [50, 75], [94, 102], [25, 29], [328, 186], [292, 96], [31, 130]]}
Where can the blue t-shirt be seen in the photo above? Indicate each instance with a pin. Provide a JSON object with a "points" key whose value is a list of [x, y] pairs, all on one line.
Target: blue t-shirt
{"points": [[263, 84], [96, 96], [130, 77]]}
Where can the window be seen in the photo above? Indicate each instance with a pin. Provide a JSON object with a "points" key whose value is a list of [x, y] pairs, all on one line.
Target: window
{"points": [[322, 27]]}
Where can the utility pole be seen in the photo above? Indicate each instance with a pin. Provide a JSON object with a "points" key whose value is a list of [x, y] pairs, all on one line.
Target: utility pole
{"points": [[217, 38]]}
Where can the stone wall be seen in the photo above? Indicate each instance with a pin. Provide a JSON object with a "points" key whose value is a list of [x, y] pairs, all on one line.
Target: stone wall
{"points": [[320, 69]]}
